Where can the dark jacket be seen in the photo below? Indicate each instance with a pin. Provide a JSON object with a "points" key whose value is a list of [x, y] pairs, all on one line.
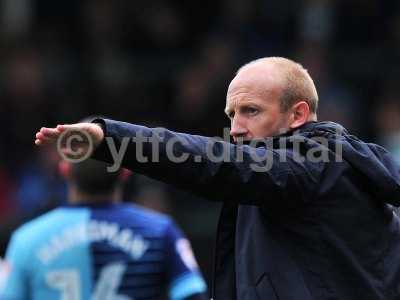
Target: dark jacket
{"points": [[318, 224]]}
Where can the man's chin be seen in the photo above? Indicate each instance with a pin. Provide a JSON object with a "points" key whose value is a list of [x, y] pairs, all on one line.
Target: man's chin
{"points": [[252, 142], [240, 141]]}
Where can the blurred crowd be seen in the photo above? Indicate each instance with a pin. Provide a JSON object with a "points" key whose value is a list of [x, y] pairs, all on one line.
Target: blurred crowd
{"points": [[168, 63]]}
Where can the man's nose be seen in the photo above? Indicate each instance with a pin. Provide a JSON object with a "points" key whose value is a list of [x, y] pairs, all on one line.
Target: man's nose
{"points": [[238, 128]]}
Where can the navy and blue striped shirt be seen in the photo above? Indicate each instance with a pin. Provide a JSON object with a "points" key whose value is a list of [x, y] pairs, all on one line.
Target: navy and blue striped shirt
{"points": [[107, 252]]}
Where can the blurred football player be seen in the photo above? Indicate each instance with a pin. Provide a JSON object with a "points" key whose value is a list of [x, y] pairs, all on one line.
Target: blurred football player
{"points": [[99, 248]]}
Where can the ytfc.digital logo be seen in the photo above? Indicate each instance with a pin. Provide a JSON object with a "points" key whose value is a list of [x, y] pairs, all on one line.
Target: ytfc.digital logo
{"points": [[75, 146]]}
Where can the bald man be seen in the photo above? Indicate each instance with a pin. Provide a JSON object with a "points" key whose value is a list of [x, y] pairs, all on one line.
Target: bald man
{"points": [[307, 208], [268, 96]]}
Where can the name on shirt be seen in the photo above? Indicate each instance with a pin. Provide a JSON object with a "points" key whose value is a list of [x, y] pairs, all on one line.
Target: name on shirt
{"points": [[94, 231]]}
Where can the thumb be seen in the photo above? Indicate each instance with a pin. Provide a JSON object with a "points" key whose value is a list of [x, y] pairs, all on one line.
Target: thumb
{"points": [[65, 127]]}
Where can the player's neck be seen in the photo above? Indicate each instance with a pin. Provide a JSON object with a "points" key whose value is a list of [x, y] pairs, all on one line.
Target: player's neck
{"points": [[79, 197]]}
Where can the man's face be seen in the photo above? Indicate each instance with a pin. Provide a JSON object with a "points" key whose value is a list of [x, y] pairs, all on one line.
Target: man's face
{"points": [[253, 105]]}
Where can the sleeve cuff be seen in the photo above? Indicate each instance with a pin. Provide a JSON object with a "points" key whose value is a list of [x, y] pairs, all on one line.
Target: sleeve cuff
{"points": [[186, 286], [102, 151], [102, 124]]}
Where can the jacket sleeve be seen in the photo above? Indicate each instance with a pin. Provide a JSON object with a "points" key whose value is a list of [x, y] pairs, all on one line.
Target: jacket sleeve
{"points": [[211, 168]]}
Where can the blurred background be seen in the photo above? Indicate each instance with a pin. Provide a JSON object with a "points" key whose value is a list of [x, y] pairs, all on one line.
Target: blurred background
{"points": [[168, 63]]}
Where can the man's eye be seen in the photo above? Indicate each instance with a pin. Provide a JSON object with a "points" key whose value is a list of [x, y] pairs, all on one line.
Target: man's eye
{"points": [[251, 110]]}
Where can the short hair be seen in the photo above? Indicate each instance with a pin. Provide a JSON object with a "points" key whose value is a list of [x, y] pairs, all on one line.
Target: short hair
{"points": [[298, 82], [92, 177]]}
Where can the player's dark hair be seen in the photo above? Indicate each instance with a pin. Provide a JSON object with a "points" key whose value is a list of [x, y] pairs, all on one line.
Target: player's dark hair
{"points": [[92, 177]]}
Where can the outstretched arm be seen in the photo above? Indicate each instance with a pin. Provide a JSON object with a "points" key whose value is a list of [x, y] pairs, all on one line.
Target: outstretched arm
{"points": [[215, 169]]}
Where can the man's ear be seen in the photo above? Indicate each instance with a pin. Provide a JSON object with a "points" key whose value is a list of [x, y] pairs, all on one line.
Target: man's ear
{"points": [[125, 174], [64, 168], [300, 114]]}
